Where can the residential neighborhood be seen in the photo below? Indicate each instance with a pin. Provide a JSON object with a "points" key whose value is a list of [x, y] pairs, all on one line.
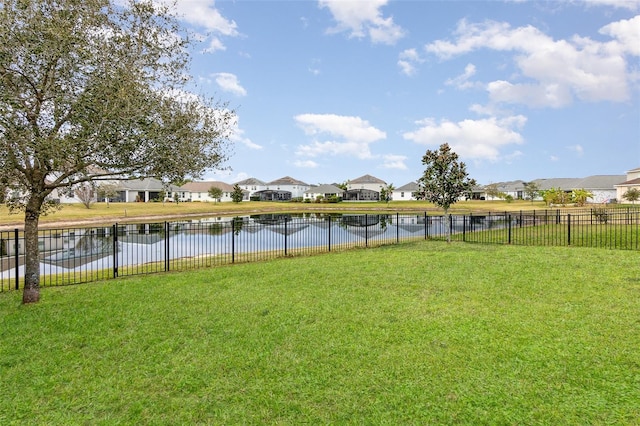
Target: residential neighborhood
{"points": [[604, 189]]}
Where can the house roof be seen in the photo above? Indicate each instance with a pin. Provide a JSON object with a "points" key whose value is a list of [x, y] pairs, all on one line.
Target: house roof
{"points": [[147, 184], [600, 181], [510, 186], [324, 189], [411, 186], [206, 185], [287, 180], [367, 179], [251, 181], [562, 183], [632, 182], [589, 182]]}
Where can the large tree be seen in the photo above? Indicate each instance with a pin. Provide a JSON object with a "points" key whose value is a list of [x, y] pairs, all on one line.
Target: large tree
{"points": [[96, 90], [445, 179]]}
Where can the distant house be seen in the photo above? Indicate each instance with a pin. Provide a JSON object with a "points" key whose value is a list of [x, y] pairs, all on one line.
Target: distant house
{"points": [[271, 195], [143, 190], [199, 191], [364, 188], [632, 181], [601, 186], [406, 192], [324, 191], [296, 187], [250, 186], [514, 188]]}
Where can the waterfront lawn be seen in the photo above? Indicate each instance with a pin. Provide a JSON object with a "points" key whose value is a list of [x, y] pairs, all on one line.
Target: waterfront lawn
{"points": [[418, 333]]}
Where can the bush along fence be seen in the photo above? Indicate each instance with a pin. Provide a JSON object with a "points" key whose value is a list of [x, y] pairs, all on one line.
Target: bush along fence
{"points": [[78, 255]]}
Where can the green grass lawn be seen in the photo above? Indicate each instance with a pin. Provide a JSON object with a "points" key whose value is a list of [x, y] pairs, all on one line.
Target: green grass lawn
{"points": [[417, 333]]}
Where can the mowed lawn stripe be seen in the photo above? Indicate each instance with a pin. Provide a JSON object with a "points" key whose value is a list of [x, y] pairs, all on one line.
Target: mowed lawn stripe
{"points": [[419, 333]]}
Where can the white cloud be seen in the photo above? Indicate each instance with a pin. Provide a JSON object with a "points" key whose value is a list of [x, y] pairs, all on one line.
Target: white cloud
{"points": [[407, 61], [305, 164], [627, 32], [462, 81], [622, 4], [578, 149], [203, 14], [392, 161], [535, 95], [229, 83], [473, 139], [363, 19], [558, 70], [350, 136], [237, 136]]}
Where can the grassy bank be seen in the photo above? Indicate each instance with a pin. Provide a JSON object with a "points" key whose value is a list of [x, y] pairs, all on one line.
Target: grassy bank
{"points": [[424, 333]]}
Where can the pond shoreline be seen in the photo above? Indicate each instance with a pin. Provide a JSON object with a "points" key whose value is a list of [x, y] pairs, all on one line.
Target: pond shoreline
{"points": [[138, 218]]}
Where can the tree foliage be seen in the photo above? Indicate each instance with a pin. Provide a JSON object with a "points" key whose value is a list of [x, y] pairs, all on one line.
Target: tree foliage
{"points": [[492, 191], [386, 193], [215, 193], [580, 196], [86, 193], [531, 190], [632, 195], [237, 195], [445, 179], [556, 196], [96, 90]]}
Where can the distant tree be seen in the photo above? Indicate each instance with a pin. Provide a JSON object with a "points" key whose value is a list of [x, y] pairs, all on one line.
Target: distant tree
{"points": [[445, 179], [107, 190], [86, 193], [531, 190], [96, 90], [237, 195], [386, 194], [555, 196], [215, 193], [492, 190], [580, 196], [632, 195]]}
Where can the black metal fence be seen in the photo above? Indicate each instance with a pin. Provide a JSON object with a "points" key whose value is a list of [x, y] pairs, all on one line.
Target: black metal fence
{"points": [[77, 255]]}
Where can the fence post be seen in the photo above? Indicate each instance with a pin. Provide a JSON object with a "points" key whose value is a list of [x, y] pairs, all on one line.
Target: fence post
{"points": [[17, 259], [286, 219], [426, 225], [568, 229], [397, 227], [366, 230], [233, 240], [166, 246], [509, 222], [329, 230], [115, 250], [464, 228]]}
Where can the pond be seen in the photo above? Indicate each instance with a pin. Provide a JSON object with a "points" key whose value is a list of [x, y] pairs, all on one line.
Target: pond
{"points": [[155, 246]]}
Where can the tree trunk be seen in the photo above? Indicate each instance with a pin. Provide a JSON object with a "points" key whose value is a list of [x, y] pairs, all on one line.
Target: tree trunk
{"points": [[31, 293], [447, 228]]}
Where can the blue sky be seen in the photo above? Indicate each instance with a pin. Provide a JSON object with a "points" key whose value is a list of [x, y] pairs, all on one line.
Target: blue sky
{"points": [[328, 91]]}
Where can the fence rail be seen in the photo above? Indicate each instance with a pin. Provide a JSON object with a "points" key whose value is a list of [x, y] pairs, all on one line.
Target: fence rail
{"points": [[78, 255]]}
